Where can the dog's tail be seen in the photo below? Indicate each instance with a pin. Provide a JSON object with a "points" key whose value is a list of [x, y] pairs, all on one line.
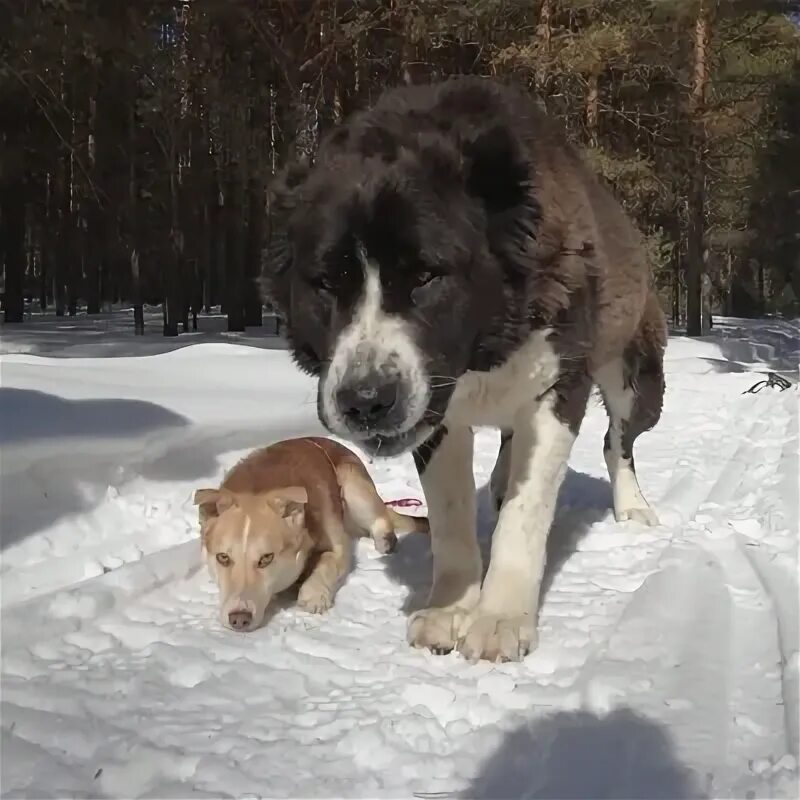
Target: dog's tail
{"points": [[406, 523]]}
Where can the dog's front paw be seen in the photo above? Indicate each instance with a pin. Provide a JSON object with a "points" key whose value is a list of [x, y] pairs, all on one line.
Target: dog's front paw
{"points": [[493, 637], [436, 628], [643, 514], [314, 597]]}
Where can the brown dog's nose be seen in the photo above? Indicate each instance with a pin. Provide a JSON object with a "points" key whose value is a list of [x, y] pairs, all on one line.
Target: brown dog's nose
{"points": [[240, 620]]}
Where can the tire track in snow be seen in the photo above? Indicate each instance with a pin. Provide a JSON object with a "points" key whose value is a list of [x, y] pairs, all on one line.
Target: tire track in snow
{"points": [[701, 610]]}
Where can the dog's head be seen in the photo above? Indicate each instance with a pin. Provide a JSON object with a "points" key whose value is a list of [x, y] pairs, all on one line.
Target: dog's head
{"points": [[254, 546], [388, 280]]}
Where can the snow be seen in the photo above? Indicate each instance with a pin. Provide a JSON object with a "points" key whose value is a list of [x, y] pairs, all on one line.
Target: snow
{"points": [[668, 657]]}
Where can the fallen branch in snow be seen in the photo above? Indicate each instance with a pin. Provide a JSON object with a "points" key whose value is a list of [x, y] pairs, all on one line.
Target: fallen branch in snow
{"points": [[772, 380]]}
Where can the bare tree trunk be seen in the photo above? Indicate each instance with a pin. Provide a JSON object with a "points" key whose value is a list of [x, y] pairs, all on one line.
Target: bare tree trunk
{"points": [[697, 178], [259, 121], [234, 211], [728, 284], [197, 293], [132, 225], [94, 231], [65, 234], [79, 193], [173, 310], [219, 239], [593, 106], [12, 214], [255, 231], [209, 278], [48, 243], [545, 29], [136, 284], [43, 280]]}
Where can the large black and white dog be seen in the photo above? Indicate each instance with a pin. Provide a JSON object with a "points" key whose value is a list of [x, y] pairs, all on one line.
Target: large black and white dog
{"points": [[450, 262]]}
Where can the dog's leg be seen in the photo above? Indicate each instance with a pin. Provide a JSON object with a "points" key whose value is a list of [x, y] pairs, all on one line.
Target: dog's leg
{"points": [[319, 588], [498, 483], [503, 625], [444, 464], [633, 402], [366, 509]]}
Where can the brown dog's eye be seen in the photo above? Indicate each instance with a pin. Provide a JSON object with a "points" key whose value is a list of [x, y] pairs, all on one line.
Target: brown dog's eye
{"points": [[265, 560], [223, 559]]}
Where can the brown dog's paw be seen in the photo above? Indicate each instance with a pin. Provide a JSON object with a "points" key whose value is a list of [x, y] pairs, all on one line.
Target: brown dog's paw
{"points": [[314, 597]]}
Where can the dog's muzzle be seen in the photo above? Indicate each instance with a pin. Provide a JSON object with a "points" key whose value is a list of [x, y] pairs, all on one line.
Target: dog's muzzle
{"points": [[372, 403], [369, 404]]}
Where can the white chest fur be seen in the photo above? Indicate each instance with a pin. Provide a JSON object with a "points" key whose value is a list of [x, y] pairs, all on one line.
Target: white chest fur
{"points": [[493, 398]]}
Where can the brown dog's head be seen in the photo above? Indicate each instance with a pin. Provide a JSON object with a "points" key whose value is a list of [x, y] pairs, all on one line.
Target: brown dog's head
{"points": [[255, 547]]}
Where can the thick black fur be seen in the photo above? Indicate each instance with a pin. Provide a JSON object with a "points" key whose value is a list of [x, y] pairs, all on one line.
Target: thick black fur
{"points": [[436, 183]]}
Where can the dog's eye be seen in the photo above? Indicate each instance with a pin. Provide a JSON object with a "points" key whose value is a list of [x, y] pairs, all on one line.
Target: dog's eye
{"points": [[223, 559], [322, 283], [426, 278], [425, 283], [265, 560]]}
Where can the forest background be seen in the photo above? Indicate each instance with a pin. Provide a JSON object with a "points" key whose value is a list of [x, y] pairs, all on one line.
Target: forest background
{"points": [[137, 140]]}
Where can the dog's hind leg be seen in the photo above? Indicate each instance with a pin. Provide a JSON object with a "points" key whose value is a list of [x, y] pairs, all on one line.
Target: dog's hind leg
{"points": [[498, 483], [633, 390], [364, 507]]}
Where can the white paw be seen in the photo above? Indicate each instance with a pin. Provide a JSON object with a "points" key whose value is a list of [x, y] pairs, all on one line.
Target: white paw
{"points": [[645, 515], [436, 628], [314, 597], [493, 637]]}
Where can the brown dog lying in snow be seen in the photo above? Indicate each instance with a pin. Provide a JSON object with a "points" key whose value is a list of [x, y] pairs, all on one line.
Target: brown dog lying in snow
{"points": [[286, 512]]}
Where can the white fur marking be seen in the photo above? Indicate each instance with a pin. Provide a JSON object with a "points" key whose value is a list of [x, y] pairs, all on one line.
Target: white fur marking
{"points": [[504, 622], [539, 453], [371, 341], [245, 533], [494, 397], [629, 502], [449, 488], [505, 397]]}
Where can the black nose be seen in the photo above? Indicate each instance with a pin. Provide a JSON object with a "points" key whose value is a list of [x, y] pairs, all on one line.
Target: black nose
{"points": [[240, 620], [365, 405]]}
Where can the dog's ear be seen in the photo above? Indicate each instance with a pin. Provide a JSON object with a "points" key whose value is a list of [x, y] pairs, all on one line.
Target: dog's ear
{"points": [[282, 190], [441, 161], [290, 503], [205, 496], [213, 502], [497, 171]]}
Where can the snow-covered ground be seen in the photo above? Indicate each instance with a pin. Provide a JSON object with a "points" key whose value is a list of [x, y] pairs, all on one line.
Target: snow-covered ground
{"points": [[668, 661]]}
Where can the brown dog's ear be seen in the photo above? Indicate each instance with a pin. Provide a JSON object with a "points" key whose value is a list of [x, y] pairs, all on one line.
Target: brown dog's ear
{"points": [[205, 496], [290, 503], [212, 502]]}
